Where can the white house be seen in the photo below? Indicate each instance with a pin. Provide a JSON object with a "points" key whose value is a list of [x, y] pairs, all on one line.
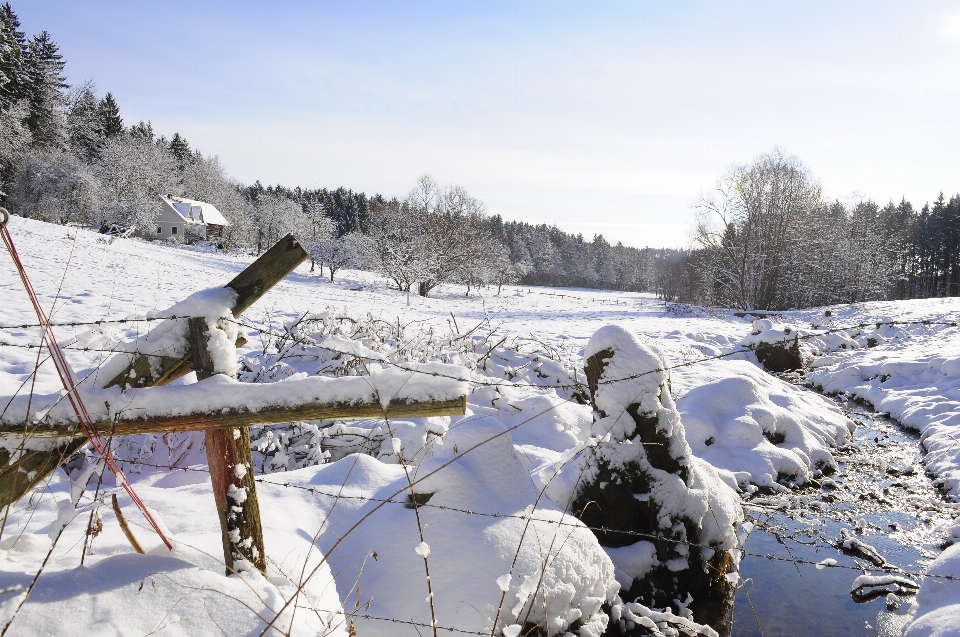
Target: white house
{"points": [[179, 213]]}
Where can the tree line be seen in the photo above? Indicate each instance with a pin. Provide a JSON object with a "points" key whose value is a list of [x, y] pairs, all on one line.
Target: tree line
{"points": [[766, 237]]}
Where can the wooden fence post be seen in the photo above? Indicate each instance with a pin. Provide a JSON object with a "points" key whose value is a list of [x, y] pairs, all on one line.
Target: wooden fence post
{"points": [[231, 472]]}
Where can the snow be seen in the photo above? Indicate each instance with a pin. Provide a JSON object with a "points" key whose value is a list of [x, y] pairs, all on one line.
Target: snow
{"points": [[661, 623], [916, 382], [209, 212], [632, 561], [735, 411], [169, 337], [636, 374], [811, 342], [360, 340], [119, 592], [936, 611], [874, 581], [556, 570]]}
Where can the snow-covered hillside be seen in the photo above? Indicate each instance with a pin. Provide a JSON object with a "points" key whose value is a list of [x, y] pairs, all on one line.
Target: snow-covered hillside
{"points": [[503, 548]]}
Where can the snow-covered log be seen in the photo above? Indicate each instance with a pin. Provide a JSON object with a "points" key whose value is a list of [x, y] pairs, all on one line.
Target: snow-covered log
{"points": [[221, 402]]}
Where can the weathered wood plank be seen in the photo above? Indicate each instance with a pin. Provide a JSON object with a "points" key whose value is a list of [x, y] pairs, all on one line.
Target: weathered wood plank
{"points": [[21, 471], [241, 417], [235, 492], [268, 270]]}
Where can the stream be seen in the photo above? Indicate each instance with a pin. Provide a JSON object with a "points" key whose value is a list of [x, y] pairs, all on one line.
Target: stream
{"points": [[880, 496]]}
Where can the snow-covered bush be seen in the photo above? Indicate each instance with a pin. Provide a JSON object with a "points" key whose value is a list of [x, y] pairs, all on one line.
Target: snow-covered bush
{"points": [[782, 347]]}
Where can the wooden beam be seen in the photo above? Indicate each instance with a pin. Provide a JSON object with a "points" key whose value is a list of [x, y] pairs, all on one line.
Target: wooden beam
{"points": [[22, 470], [264, 273], [242, 417], [235, 492]]}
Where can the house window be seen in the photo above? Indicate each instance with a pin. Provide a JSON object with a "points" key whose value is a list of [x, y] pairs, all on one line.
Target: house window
{"points": [[159, 230], [173, 230]]}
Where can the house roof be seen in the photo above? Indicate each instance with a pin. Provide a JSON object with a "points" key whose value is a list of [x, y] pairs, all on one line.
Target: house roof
{"points": [[188, 210]]}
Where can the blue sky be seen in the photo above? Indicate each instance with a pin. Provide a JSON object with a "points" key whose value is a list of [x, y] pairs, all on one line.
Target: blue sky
{"points": [[601, 116]]}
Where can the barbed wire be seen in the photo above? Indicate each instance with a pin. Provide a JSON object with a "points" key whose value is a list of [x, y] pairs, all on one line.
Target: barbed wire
{"points": [[595, 529], [81, 349], [509, 383], [409, 622], [147, 319], [798, 336], [577, 523], [576, 385]]}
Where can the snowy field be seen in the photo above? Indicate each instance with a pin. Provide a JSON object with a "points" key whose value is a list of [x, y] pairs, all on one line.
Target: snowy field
{"points": [[502, 548]]}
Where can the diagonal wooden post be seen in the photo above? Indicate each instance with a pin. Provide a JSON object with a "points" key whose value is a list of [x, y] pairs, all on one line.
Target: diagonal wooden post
{"points": [[255, 281], [231, 472]]}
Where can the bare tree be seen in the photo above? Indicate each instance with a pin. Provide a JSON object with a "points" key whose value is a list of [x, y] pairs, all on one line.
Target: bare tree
{"points": [[275, 216], [454, 238], [746, 226], [392, 246], [55, 186], [133, 172], [433, 236], [332, 251]]}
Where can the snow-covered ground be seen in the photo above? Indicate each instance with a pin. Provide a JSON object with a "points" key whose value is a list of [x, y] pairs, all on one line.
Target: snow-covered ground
{"points": [[523, 352]]}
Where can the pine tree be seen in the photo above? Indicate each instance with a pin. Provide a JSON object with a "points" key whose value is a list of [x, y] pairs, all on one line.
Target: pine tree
{"points": [[13, 46], [44, 68], [180, 149], [84, 127], [142, 132], [110, 116]]}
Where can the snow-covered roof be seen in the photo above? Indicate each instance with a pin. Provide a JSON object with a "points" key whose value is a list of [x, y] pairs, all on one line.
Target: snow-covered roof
{"points": [[194, 211]]}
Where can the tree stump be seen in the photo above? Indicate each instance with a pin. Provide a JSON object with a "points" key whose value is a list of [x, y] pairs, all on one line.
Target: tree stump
{"points": [[620, 498]]}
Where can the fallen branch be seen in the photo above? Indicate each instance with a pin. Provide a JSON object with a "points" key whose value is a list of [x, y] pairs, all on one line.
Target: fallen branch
{"points": [[126, 527]]}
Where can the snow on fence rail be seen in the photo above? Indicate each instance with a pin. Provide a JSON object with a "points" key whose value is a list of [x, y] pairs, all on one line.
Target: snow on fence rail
{"points": [[221, 402]]}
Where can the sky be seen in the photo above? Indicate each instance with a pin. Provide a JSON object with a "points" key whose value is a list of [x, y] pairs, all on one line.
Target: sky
{"points": [[600, 116]]}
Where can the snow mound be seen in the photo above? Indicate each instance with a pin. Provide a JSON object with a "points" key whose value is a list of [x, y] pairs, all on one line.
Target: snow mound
{"points": [[813, 341], [558, 572], [131, 594], [937, 606], [183, 592], [739, 418]]}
